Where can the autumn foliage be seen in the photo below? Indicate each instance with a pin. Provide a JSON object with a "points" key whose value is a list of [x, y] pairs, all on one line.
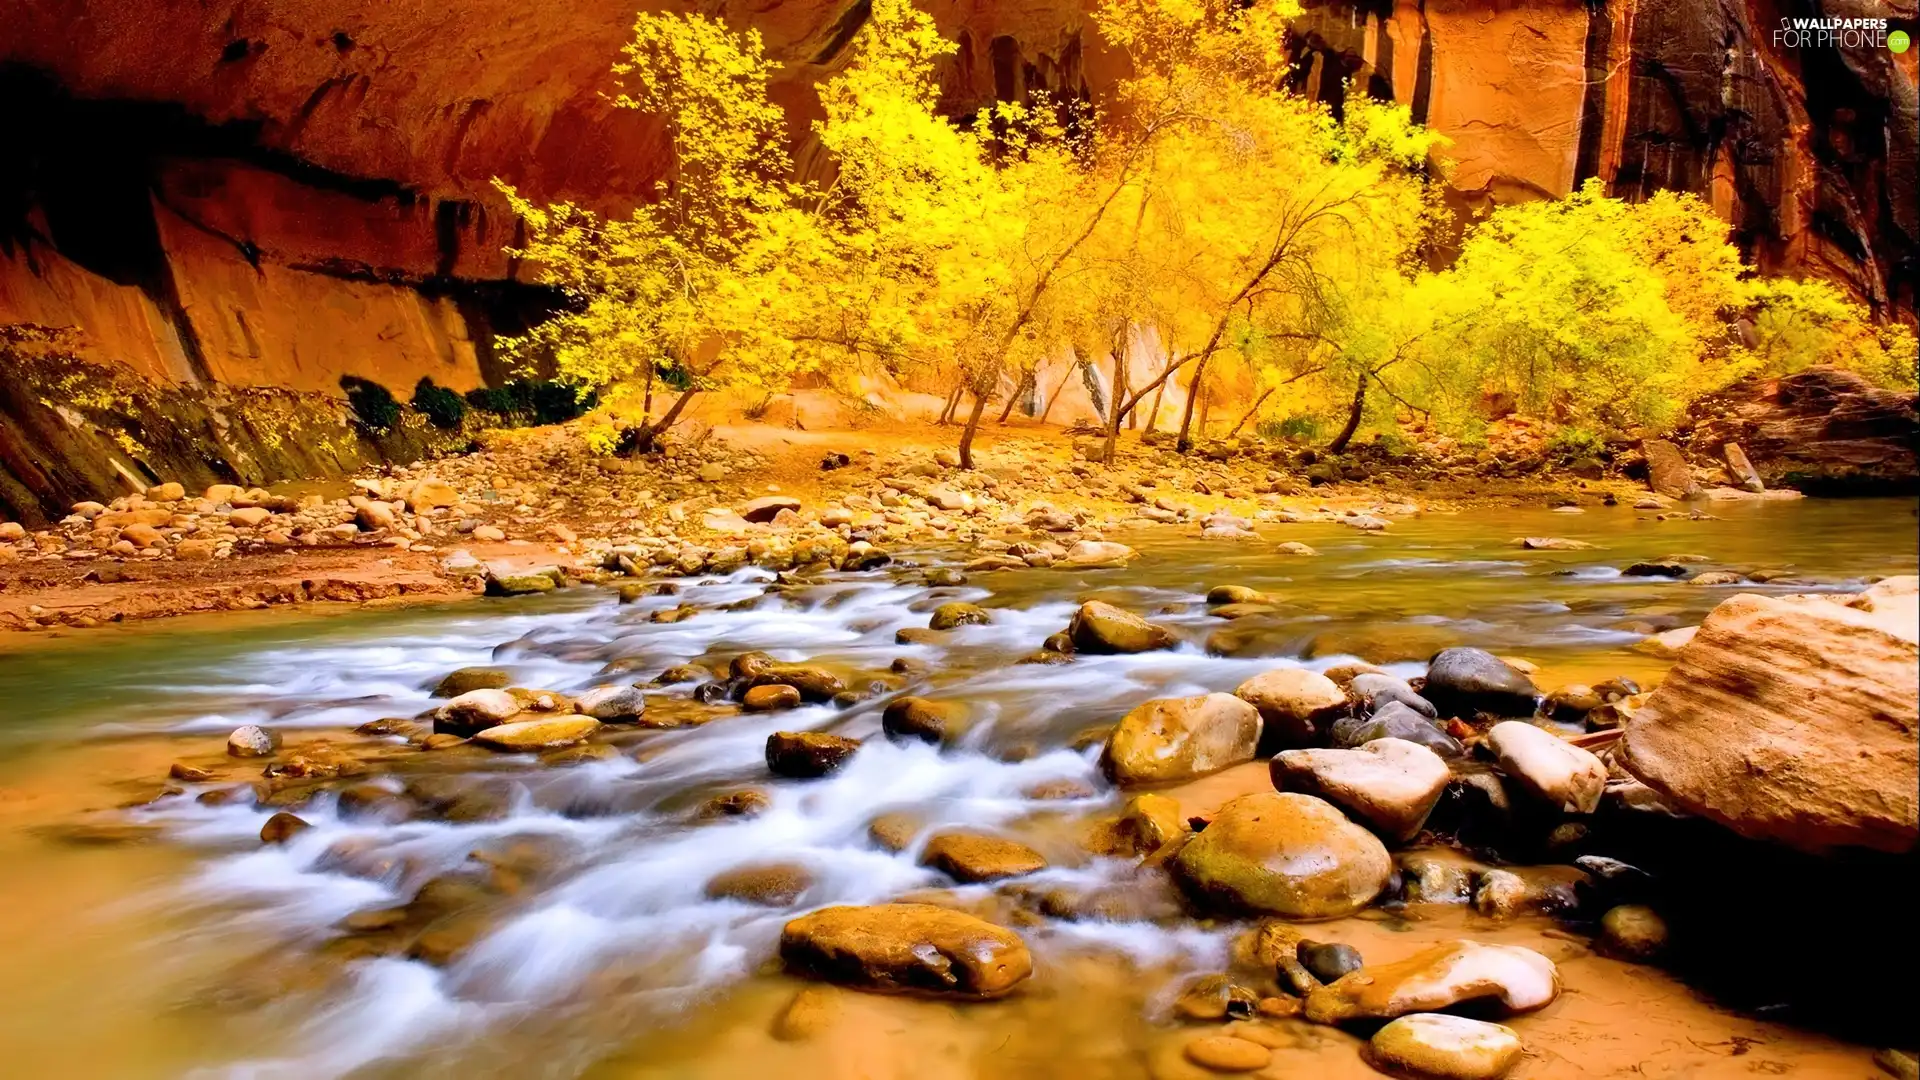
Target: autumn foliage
{"points": [[1260, 247]]}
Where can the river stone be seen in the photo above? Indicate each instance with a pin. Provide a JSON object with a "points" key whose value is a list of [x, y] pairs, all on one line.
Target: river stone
{"points": [[1177, 738], [612, 704], [1328, 961], [1792, 719], [812, 1010], [1228, 1053], [1443, 1047], [770, 698], [1463, 681], [1099, 555], [948, 616], [766, 508], [1389, 784], [816, 684], [252, 740], [1146, 824], [1294, 547], [972, 857], [1552, 543], [472, 678], [282, 827], [520, 583], [1394, 721], [1632, 932], [937, 722], [907, 948], [1293, 703], [747, 802], [1215, 997], [808, 754], [1373, 689], [1236, 594], [1519, 978], [1292, 855], [767, 884], [1100, 627], [543, 734], [1668, 473], [1656, 569], [1552, 769], [475, 710]]}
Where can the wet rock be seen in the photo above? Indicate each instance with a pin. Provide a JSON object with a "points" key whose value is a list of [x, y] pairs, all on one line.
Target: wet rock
{"points": [[1215, 997], [808, 754], [475, 711], [371, 802], [1328, 962], [1437, 876], [948, 616], [915, 948], [894, 831], [520, 584], [188, 774], [1236, 594], [1632, 932], [472, 678], [1101, 628], [682, 673], [1374, 689], [745, 803], [1463, 681], [1294, 704], [1227, 1054], [171, 491], [972, 857], [1715, 577], [1292, 855], [1553, 770], [1899, 1064], [816, 684], [771, 697], [1571, 703], [612, 704], [1294, 547], [252, 740], [813, 1010], [1518, 978], [767, 884], [1388, 784], [1394, 721], [1444, 1047], [1532, 890], [1146, 824], [937, 722], [1656, 569], [282, 827], [1177, 738], [546, 734], [460, 799], [1551, 543], [1792, 720]]}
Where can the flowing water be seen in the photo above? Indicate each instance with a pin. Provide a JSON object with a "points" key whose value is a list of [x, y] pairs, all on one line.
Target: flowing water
{"points": [[147, 932]]}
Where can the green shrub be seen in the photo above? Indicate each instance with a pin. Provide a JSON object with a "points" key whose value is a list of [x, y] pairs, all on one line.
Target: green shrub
{"points": [[1573, 442], [1302, 427], [445, 408], [373, 405], [537, 402]]}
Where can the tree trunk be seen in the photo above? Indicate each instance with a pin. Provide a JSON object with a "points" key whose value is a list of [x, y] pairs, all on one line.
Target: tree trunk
{"points": [[953, 402], [1160, 392], [1185, 442], [1119, 403], [646, 403], [1340, 441], [650, 433], [1020, 391], [973, 426], [1259, 401]]}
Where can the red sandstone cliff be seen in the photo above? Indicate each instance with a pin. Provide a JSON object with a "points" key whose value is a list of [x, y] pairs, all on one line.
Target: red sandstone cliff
{"points": [[281, 191]]}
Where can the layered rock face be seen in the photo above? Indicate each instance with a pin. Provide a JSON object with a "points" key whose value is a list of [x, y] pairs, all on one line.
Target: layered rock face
{"points": [[279, 194], [1819, 428]]}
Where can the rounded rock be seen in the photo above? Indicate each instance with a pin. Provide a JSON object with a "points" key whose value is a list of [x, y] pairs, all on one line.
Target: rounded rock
{"points": [[252, 740], [1287, 854], [771, 698], [1443, 1047], [1228, 1053], [907, 948], [1632, 932]]}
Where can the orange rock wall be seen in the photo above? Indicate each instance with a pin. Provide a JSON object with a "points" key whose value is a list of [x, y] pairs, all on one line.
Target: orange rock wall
{"points": [[315, 174]]}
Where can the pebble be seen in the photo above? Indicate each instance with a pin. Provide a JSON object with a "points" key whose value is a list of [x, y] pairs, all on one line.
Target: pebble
{"points": [[1228, 1053]]}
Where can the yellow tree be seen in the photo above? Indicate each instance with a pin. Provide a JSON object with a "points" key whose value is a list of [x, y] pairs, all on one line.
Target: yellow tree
{"points": [[680, 288]]}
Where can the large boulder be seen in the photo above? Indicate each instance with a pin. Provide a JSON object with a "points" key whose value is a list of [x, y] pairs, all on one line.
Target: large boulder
{"points": [[1294, 703], [1099, 555], [1550, 768], [1463, 681], [1667, 470], [1792, 719], [1099, 627], [1178, 738], [1520, 979], [1819, 429], [474, 711], [1286, 854], [916, 948], [807, 755], [1390, 784]]}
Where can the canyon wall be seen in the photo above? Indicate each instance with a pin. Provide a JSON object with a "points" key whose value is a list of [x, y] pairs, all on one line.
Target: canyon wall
{"points": [[279, 192]]}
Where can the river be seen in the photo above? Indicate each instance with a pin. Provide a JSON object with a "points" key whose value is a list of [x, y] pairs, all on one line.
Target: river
{"points": [[149, 933]]}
